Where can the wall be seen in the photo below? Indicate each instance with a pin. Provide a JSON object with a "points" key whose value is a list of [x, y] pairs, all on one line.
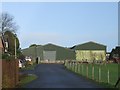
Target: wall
{"points": [[10, 73], [90, 55], [0, 68], [0, 74], [61, 52]]}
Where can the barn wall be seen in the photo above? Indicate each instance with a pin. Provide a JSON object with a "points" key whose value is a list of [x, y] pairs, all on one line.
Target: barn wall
{"points": [[30, 52], [61, 52], [40, 52], [49, 55], [90, 55]]}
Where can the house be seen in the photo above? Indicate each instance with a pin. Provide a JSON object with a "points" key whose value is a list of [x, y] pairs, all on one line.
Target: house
{"points": [[115, 54], [4, 44], [1, 47], [90, 52], [1, 51], [49, 52]]}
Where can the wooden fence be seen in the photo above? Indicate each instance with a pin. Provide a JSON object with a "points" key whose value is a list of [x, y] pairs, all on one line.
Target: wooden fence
{"points": [[52, 61], [10, 73], [105, 73]]}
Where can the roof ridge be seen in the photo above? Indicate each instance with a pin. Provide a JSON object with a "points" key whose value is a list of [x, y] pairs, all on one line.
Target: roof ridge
{"points": [[91, 42]]}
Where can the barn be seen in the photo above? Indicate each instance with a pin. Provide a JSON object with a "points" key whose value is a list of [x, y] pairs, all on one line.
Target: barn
{"points": [[49, 52], [90, 52]]}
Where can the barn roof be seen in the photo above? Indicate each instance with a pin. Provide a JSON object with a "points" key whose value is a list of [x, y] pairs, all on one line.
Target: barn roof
{"points": [[51, 46], [90, 46]]}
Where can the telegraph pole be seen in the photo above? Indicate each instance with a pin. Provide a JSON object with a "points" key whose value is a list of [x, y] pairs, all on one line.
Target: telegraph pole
{"points": [[15, 47]]}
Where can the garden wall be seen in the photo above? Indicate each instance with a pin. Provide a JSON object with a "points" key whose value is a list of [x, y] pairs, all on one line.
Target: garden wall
{"points": [[10, 72], [0, 74]]}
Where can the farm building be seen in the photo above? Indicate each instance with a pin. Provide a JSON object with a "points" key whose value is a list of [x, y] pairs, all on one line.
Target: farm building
{"points": [[90, 51], [49, 52]]}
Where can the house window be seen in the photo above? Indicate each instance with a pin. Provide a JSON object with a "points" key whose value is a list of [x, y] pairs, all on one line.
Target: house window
{"points": [[6, 44]]}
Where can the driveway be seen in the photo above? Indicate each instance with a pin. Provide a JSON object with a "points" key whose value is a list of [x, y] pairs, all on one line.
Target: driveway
{"points": [[56, 76]]}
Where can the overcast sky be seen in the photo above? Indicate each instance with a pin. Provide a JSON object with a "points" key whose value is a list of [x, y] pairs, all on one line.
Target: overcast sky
{"points": [[65, 24]]}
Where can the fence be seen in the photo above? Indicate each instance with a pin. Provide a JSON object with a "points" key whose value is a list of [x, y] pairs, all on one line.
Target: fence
{"points": [[106, 73], [52, 61], [10, 72]]}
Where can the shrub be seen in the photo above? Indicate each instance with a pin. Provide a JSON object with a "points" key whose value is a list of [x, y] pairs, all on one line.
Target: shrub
{"points": [[7, 56]]}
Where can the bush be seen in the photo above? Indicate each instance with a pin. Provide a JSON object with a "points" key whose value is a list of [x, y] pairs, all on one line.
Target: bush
{"points": [[7, 56]]}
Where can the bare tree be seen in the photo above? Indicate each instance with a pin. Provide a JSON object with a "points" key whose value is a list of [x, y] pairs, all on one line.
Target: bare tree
{"points": [[7, 23]]}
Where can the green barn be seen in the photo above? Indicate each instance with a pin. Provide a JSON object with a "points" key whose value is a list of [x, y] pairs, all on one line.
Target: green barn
{"points": [[90, 52], [49, 52]]}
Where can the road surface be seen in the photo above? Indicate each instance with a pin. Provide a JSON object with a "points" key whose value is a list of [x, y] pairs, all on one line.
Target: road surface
{"points": [[56, 76]]}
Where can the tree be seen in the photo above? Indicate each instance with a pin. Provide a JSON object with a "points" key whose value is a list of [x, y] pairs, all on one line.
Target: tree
{"points": [[7, 23], [32, 45], [10, 37]]}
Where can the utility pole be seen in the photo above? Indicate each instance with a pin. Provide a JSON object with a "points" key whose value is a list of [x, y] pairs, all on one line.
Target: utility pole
{"points": [[15, 47]]}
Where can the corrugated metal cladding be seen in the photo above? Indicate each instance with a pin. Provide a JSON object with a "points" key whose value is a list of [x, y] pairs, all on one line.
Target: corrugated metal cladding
{"points": [[49, 55], [88, 51], [90, 46], [50, 52]]}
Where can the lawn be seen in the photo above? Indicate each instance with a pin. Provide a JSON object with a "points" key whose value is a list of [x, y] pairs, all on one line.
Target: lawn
{"points": [[103, 73]]}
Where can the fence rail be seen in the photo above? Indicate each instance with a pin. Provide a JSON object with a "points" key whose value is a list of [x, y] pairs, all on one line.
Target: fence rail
{"points": [[107, 73], [52, 61]]}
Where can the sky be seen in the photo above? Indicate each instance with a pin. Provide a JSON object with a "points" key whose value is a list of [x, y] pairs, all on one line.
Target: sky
{"points": [[65, 23]]}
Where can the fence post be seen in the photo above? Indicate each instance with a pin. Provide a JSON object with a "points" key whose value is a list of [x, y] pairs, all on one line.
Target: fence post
{"points": [[93, 72], [99, 74], [108, 76], [87, 71], [70, 64], [82, 68], [74, 66], [79, 68], [65, 63]]}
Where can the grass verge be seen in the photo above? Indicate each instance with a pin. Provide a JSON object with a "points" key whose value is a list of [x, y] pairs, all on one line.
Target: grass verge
{"points": [[28, 67], [25, 79]]}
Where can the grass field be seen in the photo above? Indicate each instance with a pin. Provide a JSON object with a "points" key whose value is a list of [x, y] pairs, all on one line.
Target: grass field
{"points": [[103, 73]]}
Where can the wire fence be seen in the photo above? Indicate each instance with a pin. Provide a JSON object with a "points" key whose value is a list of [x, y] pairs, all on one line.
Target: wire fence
{"points": [[106, 73]]}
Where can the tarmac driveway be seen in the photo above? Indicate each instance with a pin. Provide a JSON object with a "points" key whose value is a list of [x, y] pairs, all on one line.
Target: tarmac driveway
{"points": [[56, 76]]}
